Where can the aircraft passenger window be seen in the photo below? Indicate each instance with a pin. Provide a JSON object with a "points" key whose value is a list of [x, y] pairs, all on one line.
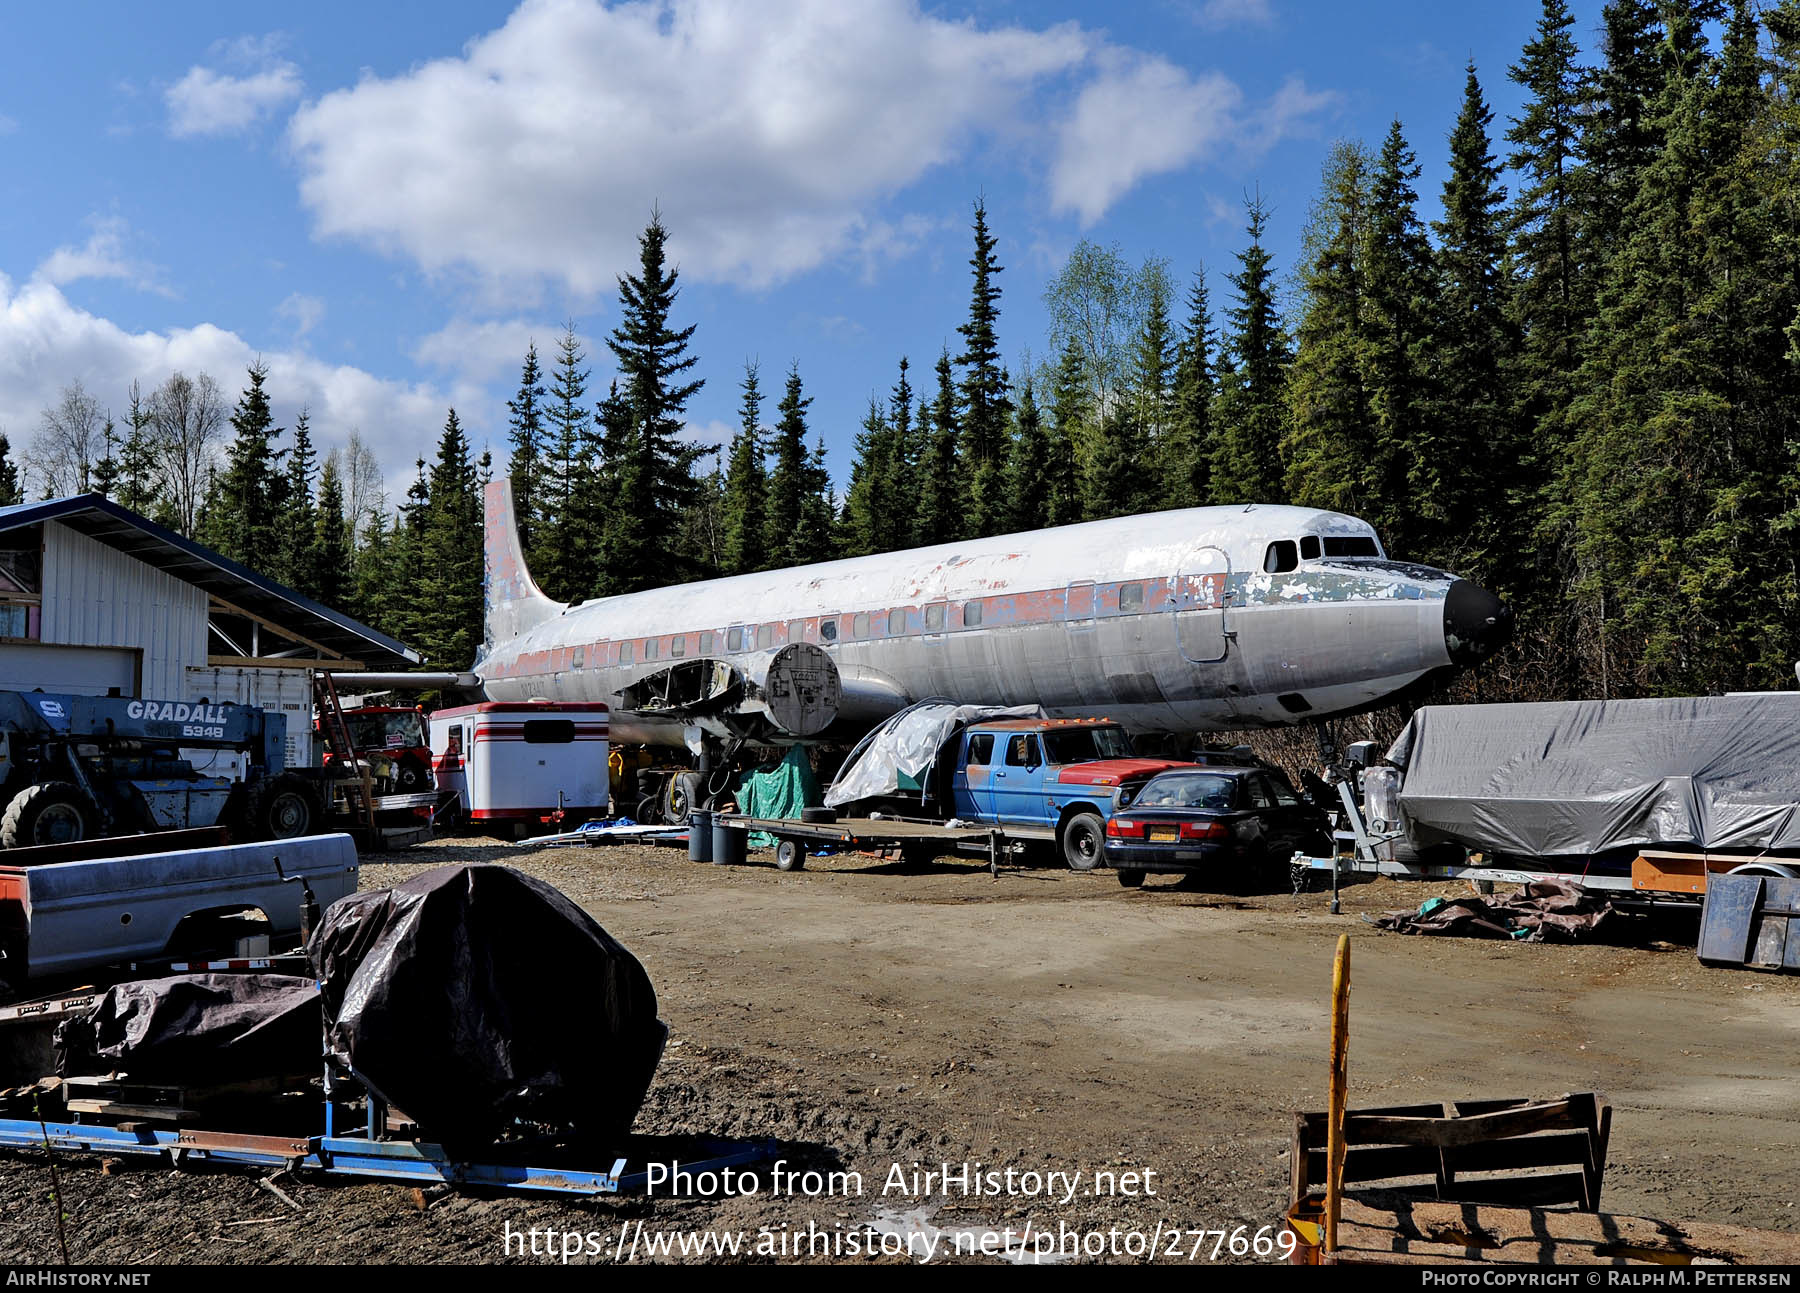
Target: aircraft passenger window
{"points": [[1021, 752], [796, 630], [934, 617], [650, 646], [580, 660], [765, 636], [896, 622], [678, 645], [1309, 548], [1362, 546], [981, 748], [1281, 557], [860, 626], [1131, 598], [706, 644], [734, 640], [625, 653], [828, 629], [971, 615]]}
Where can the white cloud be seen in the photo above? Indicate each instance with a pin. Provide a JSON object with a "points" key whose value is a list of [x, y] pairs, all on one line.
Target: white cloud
{"points": [[1141, 116], [305, 312], [766, 132], [210, 102], [486, 349], [1235, 13], [46, 342], [775, 137], [103, 255]]}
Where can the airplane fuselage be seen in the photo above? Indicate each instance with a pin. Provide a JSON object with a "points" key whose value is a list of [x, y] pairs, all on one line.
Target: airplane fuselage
{"points": [[1198, 619]]}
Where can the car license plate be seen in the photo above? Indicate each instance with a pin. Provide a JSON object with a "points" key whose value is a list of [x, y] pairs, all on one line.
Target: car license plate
{"points": [[1164, 833]]}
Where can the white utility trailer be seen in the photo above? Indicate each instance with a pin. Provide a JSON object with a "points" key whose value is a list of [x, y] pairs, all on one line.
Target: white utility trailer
{"points": [[523, 764]]}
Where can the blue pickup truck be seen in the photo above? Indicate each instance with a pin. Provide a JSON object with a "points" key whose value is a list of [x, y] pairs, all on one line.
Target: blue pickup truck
{"points": [[1068, 774]]}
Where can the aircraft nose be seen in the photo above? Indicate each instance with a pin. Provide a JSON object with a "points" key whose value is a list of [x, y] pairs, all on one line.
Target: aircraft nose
{"points": [[1476, 623]]}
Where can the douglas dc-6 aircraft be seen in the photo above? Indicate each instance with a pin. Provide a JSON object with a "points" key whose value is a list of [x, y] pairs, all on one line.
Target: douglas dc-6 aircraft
{"points": [[1208, 618]]}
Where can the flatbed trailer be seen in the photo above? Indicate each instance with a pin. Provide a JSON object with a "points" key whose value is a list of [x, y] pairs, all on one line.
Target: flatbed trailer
{"points": [[910, 836]]}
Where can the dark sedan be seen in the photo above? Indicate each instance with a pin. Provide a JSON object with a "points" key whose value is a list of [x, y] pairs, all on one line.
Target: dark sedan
{"points": [[1237, 827]]}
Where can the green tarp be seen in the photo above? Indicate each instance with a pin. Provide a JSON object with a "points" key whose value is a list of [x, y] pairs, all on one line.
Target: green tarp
{"points": [[781, 791]]}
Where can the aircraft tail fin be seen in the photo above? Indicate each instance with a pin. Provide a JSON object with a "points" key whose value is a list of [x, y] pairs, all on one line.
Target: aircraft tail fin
{"points": [[514, 602]]}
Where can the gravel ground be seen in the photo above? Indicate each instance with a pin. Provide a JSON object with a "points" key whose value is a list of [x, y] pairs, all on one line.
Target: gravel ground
{"points": [[871, 1015]]}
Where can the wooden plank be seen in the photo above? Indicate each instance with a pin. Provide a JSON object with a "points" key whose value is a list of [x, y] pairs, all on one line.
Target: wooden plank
{"points": [[1363, 1129]]}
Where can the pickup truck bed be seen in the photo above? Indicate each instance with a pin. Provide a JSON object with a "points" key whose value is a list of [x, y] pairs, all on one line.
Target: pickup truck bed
{"points": [[66, 917]]}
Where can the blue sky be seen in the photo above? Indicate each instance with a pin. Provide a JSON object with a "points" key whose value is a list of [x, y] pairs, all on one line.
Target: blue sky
{"points": [[385, 201]]}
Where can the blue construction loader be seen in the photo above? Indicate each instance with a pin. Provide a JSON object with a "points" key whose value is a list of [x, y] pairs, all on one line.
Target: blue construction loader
{"points": [[81, 767]]}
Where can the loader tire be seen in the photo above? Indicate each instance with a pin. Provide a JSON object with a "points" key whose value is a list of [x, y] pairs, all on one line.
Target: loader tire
{"points": [[288, 810], [52, 812]]}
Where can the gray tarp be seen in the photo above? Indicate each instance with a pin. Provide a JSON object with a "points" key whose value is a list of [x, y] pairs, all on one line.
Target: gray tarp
{"points": [[1582, 777], [896, 758]]}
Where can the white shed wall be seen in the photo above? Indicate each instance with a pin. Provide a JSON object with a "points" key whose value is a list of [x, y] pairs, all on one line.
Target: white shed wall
{"points": [[97, 596]]}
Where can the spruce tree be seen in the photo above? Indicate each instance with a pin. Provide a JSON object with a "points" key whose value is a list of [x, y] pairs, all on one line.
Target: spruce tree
{"points": [[330, 546], [746, 482], [1187, 446], [449, 590], [137, 457], [943, 514], [1466, 483], [571, 502], [11, 487], [300, 557], [1029, 467], [862, 530], [790, 480], [1246, 457], [526, 467], [984, 398], [105, 477], [654, 479], [246, 506], [897, 494], [1331, 445], [1070, 409]]}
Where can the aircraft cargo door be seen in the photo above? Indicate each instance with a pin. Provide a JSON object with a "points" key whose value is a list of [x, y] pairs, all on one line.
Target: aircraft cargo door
{"points": [[1201, 592]]}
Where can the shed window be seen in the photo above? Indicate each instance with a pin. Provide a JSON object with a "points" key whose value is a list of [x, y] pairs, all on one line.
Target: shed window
{"points": [[1131, 598], [1309, 548], [971, 615], [859, 627], [896, 622], [1281, 557], [549, 731]]}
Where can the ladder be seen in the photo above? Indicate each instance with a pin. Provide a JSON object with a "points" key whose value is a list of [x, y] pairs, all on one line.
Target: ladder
{"points": [[349, 764]]}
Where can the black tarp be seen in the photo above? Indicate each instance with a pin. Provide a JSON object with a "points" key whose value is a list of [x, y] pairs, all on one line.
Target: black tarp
{"points": [[1582, 777], [208, 1029], [469, 996]]}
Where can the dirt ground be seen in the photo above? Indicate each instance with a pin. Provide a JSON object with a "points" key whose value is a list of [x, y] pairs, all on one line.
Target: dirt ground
{"points": [[868, 1015]]}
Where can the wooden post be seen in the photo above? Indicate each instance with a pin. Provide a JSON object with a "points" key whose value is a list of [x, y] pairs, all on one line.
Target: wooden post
{"points": [[1340, 1083]]}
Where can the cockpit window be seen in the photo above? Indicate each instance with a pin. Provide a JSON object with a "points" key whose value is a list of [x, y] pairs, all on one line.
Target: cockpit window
{"points": [[1309, 548], [1281, 557], [1360, 546]]}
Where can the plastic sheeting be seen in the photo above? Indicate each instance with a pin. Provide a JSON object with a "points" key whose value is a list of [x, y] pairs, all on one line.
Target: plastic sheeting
{"points": [[782, 791], [470, 996], [1547, 911], [1583, 777], [896, 758], [199, 1028]]}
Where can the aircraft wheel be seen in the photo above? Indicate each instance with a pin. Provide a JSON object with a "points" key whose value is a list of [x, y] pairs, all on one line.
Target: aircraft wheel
{"points": [[1081, 841], [790, 855], [54, 812], [1132, 878], [685, 790]]}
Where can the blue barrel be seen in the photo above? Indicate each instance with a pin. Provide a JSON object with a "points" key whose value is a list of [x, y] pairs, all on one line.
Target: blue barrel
{"points": [[730, 844], [700, 836]]}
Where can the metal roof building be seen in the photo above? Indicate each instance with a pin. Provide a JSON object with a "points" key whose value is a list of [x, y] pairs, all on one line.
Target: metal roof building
{"points": [[94, 597]]}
